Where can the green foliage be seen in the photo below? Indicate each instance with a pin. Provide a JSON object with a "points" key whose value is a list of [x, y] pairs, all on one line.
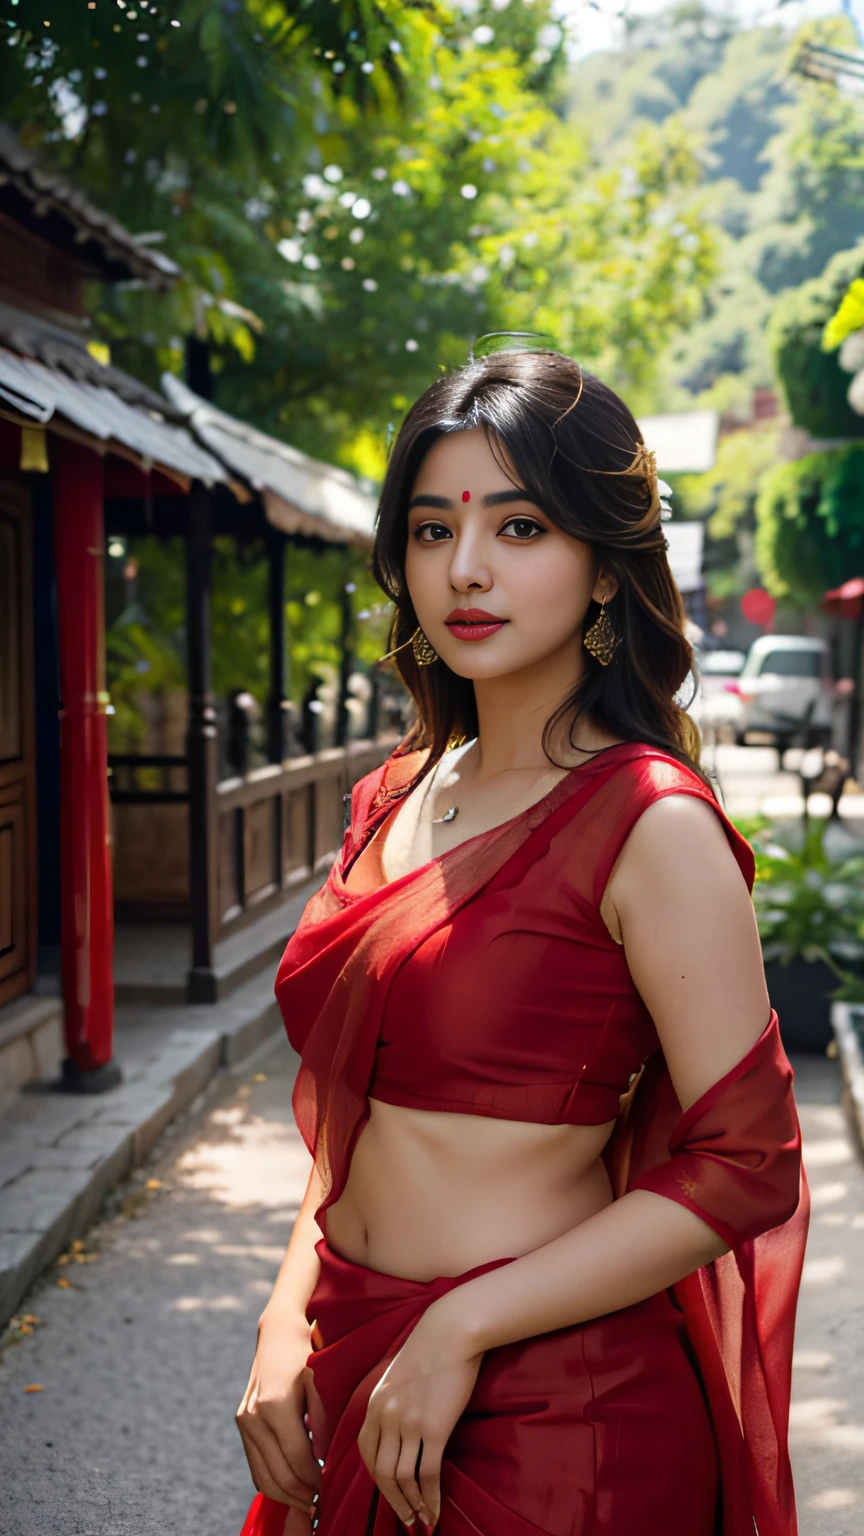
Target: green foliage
{"points": [[146, 636], [345, 232], [725, 496], [726, 493], [782, 158], [814, 384], [808, 905], [848, 318], [810, 530]]}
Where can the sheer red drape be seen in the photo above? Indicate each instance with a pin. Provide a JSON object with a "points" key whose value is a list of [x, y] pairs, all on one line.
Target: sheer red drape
{"points": [[733, 1158]]}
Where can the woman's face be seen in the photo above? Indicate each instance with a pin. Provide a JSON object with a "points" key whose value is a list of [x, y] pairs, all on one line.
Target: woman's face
{"points": [[496, 586]]}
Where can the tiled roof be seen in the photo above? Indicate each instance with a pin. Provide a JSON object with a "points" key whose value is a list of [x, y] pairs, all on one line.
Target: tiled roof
{"points": [[70, 218], [300, 494]]}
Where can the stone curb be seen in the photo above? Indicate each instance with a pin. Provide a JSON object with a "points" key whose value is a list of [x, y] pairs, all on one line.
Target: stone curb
{"points": [[848, 1023], [55, 1174]]}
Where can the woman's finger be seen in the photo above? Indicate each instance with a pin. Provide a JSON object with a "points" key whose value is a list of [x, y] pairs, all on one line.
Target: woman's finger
{"points": [[293, 1440], [367, 1444], [385, 1474], [268, 1465], [431, 1452], [406, 1470]]}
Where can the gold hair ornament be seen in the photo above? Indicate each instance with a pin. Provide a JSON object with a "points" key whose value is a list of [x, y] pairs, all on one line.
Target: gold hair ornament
{"points": [[644, 465]]}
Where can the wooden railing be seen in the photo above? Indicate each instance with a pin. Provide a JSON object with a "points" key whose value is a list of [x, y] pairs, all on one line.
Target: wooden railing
{"points": [[139, 780], [262, 835], [280, 825]]}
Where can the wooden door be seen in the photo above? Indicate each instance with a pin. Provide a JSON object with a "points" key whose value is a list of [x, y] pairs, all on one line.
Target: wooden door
{"points": [[18, 913]]}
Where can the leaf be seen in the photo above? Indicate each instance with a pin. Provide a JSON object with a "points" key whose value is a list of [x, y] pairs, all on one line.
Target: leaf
{"points": [[64, 1284], [153, 1184], [34, 1386]]}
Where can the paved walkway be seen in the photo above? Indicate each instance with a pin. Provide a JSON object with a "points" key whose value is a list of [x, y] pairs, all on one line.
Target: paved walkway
{"points": [[827, 1432], [143, 1355]]}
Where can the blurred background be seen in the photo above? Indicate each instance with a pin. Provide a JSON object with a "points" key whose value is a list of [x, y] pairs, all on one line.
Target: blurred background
{"points": [[237, 239]]}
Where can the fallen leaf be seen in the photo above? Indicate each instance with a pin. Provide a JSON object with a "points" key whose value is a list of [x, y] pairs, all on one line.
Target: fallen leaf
{"points": [[35, 1386], [260, 1077], [29, 1318], [65, 1258], [77, 1245], [153, 1184], [64, 1284], [25, 1328]]}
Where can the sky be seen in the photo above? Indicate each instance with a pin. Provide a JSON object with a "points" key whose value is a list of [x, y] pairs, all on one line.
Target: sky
{"points": [[599, 27]]}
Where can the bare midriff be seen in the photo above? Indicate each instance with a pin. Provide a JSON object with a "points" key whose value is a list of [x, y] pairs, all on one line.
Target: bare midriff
{"points": [[434, 1193]]}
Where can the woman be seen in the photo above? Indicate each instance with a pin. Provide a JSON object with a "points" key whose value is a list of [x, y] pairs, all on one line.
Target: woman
{"points": [[556, 1154]]}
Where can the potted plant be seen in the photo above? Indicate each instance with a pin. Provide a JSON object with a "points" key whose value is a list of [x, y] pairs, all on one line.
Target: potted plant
{"points": [[810, 911]]}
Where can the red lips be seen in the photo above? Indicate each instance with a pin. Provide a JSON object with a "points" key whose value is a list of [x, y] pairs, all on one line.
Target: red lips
{"points": [[473, 616], [473, 623]]}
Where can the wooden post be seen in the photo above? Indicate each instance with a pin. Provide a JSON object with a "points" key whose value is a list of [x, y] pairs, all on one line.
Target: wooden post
{"points": [[87, 917], [276, 701], [202, 751], [346, 658]]}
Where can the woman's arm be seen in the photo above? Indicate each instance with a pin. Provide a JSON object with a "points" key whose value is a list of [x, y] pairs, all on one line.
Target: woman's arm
{"points": [[692, 945], [271, 1415], [298, 1272]]}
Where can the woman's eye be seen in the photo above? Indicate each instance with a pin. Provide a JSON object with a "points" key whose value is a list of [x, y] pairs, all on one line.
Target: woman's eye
{"points": [[431, 533], [522, 528]]}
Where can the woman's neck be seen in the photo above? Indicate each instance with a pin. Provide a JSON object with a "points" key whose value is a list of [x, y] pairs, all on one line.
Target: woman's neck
{"points": [[513, 711]]}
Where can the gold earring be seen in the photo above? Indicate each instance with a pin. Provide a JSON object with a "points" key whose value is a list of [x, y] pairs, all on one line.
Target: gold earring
{"points": [[424, 651], [601, 638]]}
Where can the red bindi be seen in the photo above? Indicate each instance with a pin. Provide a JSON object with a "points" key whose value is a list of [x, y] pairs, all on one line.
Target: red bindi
{"points": [[466, 495]]}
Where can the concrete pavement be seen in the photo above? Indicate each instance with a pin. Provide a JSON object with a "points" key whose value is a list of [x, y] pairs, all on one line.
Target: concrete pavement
{"points": [[143, 1350], [143, 1355]]}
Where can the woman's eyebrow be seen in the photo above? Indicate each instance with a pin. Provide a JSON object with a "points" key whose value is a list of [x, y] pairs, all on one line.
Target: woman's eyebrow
{"points": [[494, 499]]}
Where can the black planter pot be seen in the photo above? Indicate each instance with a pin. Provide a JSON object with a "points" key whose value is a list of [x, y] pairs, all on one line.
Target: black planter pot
{"points": [[800, 993]]}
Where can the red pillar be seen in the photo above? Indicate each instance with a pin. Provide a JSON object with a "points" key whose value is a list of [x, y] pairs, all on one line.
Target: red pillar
{"points": [[87, 921]]}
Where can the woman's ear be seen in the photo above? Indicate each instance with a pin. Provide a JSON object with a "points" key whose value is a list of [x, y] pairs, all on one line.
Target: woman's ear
{"points": [[605, 585]]}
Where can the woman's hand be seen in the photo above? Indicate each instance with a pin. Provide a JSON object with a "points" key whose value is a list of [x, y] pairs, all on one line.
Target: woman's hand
{"points": [[414, 1408], [270, 1417]]}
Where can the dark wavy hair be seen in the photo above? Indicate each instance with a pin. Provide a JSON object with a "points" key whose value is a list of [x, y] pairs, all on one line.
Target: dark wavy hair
{"points": [[569, 438]]}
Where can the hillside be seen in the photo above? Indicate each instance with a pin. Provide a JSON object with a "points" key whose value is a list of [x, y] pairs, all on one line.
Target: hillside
{"points": [[780, 213]]}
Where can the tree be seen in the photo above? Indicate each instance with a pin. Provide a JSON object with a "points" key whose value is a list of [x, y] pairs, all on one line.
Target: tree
{"points": [[814, 384], [725, 497], [782, 158], [344, 241], [810, 532]]}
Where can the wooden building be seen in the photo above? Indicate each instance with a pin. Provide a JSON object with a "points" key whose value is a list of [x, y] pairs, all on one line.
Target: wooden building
{"points": [[86, 450]]}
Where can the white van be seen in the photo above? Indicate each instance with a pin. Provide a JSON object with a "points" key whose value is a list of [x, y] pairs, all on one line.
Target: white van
{"points": [[784, 678]]}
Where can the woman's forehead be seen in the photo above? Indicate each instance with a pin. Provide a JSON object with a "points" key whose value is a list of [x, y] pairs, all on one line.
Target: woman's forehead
{"points": [[459, 455]]}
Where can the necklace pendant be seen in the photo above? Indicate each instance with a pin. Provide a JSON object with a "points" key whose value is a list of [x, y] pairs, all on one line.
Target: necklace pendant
{"points": [[448, 816]]}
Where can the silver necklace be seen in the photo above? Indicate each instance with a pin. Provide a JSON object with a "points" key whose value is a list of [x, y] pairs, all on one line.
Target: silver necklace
{"points": [[449, 815], [452, 811]]}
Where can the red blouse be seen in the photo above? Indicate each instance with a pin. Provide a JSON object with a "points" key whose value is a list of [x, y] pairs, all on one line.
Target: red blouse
{"points": [[522, 1007]]}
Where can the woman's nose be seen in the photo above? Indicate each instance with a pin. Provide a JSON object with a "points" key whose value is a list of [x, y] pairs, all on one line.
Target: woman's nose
{"points": [[468, 569]]}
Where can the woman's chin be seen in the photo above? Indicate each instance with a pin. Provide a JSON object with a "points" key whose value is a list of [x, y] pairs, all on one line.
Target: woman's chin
{"points": [[477, 661]]}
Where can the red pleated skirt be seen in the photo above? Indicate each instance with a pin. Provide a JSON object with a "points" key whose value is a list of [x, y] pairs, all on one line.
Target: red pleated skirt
{"points": [[600, 1429]]}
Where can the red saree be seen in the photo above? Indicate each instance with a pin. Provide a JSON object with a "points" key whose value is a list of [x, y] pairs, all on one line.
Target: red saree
{"points": [[733, 1158]]}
